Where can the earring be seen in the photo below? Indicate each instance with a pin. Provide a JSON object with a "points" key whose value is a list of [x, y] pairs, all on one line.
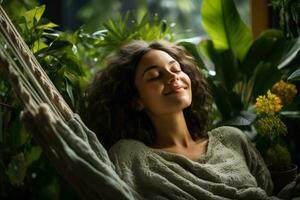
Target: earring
{"points": [[139, 107]]}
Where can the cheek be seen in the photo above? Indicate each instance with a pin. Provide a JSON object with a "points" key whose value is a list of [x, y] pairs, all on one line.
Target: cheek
{"points": [[149, 94], [186, 79]]}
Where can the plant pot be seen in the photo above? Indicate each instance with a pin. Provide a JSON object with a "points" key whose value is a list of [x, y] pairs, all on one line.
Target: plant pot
{"points": [[282, 178]]}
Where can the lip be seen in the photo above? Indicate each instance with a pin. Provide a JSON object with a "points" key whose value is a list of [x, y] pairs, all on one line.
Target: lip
{"points": [[175, 89]]}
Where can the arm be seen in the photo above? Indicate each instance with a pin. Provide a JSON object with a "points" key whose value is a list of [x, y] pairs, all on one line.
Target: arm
{"points": [[241, 143], [258, 167], [77, 155]]}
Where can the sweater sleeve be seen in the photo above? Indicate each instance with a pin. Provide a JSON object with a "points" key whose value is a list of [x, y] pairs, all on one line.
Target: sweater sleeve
{"points": [[258, 169], [77, 155], [253, 159]]}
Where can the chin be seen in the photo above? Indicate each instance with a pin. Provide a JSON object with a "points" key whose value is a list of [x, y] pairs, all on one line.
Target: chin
{"points": [[180, 103]]}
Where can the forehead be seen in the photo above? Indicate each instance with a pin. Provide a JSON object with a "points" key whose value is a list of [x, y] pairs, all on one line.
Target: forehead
{"points": [[154, 57]]}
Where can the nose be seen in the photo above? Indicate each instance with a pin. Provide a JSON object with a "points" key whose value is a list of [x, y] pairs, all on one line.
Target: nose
{"points": [[172, 77]]}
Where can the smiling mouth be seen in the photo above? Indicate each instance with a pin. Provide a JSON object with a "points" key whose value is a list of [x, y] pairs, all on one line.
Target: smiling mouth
{"points": [[175, 90]]}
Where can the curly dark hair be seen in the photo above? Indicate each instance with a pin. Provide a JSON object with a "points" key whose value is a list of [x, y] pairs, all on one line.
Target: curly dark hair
{"points": [[112, 96]]}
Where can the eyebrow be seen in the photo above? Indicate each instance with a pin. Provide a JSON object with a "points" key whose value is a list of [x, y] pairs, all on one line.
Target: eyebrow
{"points": [[155, 66]]}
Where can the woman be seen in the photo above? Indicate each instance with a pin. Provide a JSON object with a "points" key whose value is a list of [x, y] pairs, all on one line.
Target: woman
{"points": [[153, 108]]}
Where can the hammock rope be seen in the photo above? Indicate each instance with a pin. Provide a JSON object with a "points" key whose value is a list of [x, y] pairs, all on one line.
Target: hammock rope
{"points": [[13, 70], [40, 87]]}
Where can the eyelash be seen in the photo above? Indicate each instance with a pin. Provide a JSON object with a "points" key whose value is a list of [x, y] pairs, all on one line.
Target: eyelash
{"points": [[157, 77]]}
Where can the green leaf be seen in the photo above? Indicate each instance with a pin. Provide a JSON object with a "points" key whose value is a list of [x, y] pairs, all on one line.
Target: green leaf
{"points": [[290, 51], [46, 24], [265, 75], [113, 30], [223, 24], [34, 15], [16, 170], [243, 119], [192, 49], [38, 46], [261, 50], [32, 154], [290, 114], [39, 11], [295, 76], [225, 64], [221, 99], [207, 49], [57, 45], [123, 22], [73, 65]]}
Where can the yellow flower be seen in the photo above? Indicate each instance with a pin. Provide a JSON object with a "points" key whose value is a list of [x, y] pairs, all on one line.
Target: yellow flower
{"points": [[270, 126], [285, 91], [268, 104]]}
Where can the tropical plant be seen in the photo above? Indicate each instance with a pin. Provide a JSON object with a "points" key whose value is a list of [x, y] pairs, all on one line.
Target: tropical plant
{"points": [[240, 63], [184, 13], [295, 76], [95, 47], [287, 16], [16, 8]]}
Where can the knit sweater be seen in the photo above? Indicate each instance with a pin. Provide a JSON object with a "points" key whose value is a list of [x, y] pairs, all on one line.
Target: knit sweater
{"points": [[231, 168]]}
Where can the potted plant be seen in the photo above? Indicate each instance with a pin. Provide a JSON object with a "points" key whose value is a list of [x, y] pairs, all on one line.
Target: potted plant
{"points": [[271, 131]]}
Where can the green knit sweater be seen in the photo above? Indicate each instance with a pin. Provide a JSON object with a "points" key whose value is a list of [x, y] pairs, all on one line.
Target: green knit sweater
{"points": [[230, 169]]}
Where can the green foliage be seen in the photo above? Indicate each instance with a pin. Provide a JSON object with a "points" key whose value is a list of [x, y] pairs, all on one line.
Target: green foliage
{"points": [[279, 158], [295, 76], [33, 27], [56, 52], [21, 159], [16, 8], [89, 12], [288, 15], [17, 169], [240, 63], [287, 18], [184, 13], [223, 24], [95, 47]]}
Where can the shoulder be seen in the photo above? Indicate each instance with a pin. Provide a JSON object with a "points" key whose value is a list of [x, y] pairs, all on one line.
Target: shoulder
{"points": [[229, 135], [227, 131], [126, 149]]}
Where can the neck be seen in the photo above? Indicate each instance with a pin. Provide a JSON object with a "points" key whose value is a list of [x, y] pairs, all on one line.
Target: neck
{"points": [[171, 131]]}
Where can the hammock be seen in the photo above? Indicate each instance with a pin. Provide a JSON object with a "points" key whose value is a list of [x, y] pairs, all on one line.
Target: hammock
{"points": [[73, 149]]}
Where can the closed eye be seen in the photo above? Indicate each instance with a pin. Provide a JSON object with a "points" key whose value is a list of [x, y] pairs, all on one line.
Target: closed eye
{"points": [[176, 69], [153, 75], [155, 78]]}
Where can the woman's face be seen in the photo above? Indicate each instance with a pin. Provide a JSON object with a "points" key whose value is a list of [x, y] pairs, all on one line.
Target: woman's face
{"points": [[162, 86]]}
